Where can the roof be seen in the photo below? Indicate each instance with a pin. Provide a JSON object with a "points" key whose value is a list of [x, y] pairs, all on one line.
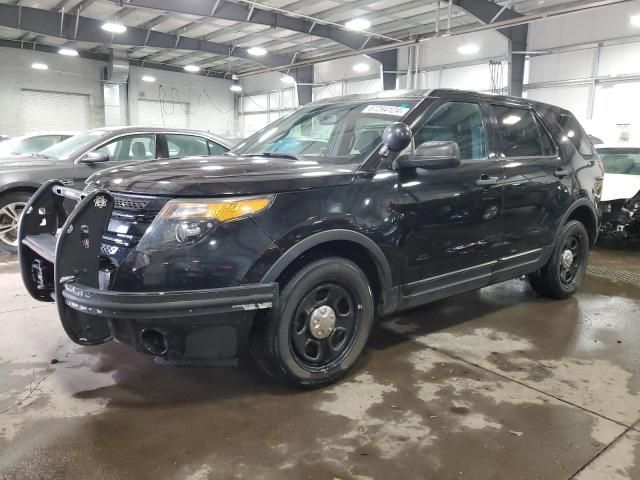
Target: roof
{"points": [[142, 129], [417, 94], [617, 147]]}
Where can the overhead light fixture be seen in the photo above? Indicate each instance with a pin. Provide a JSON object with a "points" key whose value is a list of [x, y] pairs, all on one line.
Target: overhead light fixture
{"points": [[358, 24], [192, 68], [635, 20], [361, 67], [257, 51], [288, 79], [69, 52], [113, 27], [468, 49], [148, 78], [39, 66], [235, 84]]}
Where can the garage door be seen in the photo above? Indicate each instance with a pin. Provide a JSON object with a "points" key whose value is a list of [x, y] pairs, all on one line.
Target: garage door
{"points": [[54, 111], [153, 113]]}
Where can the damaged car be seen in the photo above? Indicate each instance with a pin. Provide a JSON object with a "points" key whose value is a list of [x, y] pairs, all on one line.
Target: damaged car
{"points": [[620, 199]]}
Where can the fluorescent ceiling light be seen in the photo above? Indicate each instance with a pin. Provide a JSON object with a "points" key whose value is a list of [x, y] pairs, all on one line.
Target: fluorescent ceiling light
{"points": [[361, 67], [511, 120], [235, 88], [39, 66], [113, 27], [358, 24], [257, 51], [148, 78], [468, 49], [192, 68], [635, 20], [69, 52], [288, 79]]}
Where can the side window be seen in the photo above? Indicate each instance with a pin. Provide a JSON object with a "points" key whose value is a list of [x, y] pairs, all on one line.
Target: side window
{"points": [[215, 148], [522, 134], [458, 122], [131, 147], [575, 133], [186, 146]]}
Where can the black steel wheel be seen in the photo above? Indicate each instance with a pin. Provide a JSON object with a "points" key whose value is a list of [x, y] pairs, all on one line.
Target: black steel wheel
{"points": [[322, 327], [564, 272]]}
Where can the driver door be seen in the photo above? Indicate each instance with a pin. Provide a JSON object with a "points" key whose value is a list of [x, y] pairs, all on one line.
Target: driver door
{"points": [[452, 219], [127, 148]]}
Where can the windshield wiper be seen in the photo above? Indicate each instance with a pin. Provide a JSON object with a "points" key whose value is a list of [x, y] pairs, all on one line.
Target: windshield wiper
{"points": [[291, 156]]}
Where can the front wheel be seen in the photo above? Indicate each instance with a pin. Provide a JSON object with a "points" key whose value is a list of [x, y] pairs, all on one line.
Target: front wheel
{"points": [[326, 314], [11, 207], [564, 272]]}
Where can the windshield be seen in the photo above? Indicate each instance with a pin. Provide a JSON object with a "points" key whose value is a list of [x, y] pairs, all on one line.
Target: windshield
{"points": [[10, 147], [336, 133], [69, 147], [621, 160]]}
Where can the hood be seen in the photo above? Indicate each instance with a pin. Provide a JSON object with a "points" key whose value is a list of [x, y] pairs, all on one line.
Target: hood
{"points": [[210, 176], [25, 161], [617, 186]]}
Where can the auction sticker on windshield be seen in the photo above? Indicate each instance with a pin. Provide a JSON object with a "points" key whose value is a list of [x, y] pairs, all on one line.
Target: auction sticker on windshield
{"points": [[387, 110]]}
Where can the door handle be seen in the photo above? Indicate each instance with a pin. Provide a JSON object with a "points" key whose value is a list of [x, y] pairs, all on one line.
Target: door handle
{"points": [[561, 173], [486, 181]]}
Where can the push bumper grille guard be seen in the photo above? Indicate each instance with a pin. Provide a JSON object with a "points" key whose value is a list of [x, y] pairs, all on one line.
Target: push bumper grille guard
{"points": [[63, 266]]}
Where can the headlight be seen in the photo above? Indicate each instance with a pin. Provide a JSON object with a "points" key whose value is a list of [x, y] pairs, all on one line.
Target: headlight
{"points": [[186, 221]]}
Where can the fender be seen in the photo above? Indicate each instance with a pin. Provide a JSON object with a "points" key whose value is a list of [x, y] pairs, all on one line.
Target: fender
{"points": [[28, 185], [582, 202], [382, 264]]}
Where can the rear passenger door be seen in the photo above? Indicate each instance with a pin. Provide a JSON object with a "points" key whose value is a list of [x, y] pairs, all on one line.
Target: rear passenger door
{"points": [[537, 187], [180, 145]]}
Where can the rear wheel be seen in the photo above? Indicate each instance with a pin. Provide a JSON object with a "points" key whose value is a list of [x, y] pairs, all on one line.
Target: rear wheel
{"points": [[11, 207], [325, 317], [564, 272]]}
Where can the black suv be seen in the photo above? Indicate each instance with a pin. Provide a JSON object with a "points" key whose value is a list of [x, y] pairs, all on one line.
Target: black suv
{"points": [[345, 210]]}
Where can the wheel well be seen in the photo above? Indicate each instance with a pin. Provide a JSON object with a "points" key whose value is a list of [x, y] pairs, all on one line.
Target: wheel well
{"points": [[25, 189], [585, 216], [339, 248]]}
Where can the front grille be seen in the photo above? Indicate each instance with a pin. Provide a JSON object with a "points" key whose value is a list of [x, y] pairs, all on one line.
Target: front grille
{"points": [[124, 203], [131, 216]]}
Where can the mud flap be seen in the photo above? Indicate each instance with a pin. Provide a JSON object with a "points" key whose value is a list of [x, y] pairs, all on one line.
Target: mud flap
{"points": [[77, 260]]}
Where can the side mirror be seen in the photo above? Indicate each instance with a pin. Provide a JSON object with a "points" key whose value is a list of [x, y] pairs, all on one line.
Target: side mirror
{"points": [[397, 136], [95, 157], [432, 155]]}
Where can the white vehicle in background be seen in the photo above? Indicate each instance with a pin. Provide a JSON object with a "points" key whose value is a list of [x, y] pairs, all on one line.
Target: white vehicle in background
{"points": [[32, 143], [620, 199]]}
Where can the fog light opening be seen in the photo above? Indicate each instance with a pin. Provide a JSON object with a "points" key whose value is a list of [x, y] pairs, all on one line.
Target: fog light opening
{"points": [[153, 342]]}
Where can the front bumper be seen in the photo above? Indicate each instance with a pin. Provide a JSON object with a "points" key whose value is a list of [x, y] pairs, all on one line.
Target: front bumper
{"points": [[63, 265]]}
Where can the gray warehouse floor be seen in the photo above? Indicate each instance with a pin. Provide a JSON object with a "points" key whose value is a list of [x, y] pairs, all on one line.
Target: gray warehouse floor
{"points": [[497, 384]]}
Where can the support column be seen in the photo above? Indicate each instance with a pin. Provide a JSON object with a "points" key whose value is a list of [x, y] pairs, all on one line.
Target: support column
{"points": [[389, 62], [304, 79], [488, 12]]}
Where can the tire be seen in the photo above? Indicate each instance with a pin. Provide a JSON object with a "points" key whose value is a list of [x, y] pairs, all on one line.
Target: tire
{"points": [[11, 206], [561, 276], [298, 344]]}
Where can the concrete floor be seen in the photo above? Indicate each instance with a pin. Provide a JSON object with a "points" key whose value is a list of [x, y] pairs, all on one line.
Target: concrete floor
{"points": [[496, 384]]}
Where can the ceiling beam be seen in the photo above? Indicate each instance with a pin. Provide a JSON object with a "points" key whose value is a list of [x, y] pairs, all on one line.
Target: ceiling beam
{"points": [[84, 29], [226, 10]]}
